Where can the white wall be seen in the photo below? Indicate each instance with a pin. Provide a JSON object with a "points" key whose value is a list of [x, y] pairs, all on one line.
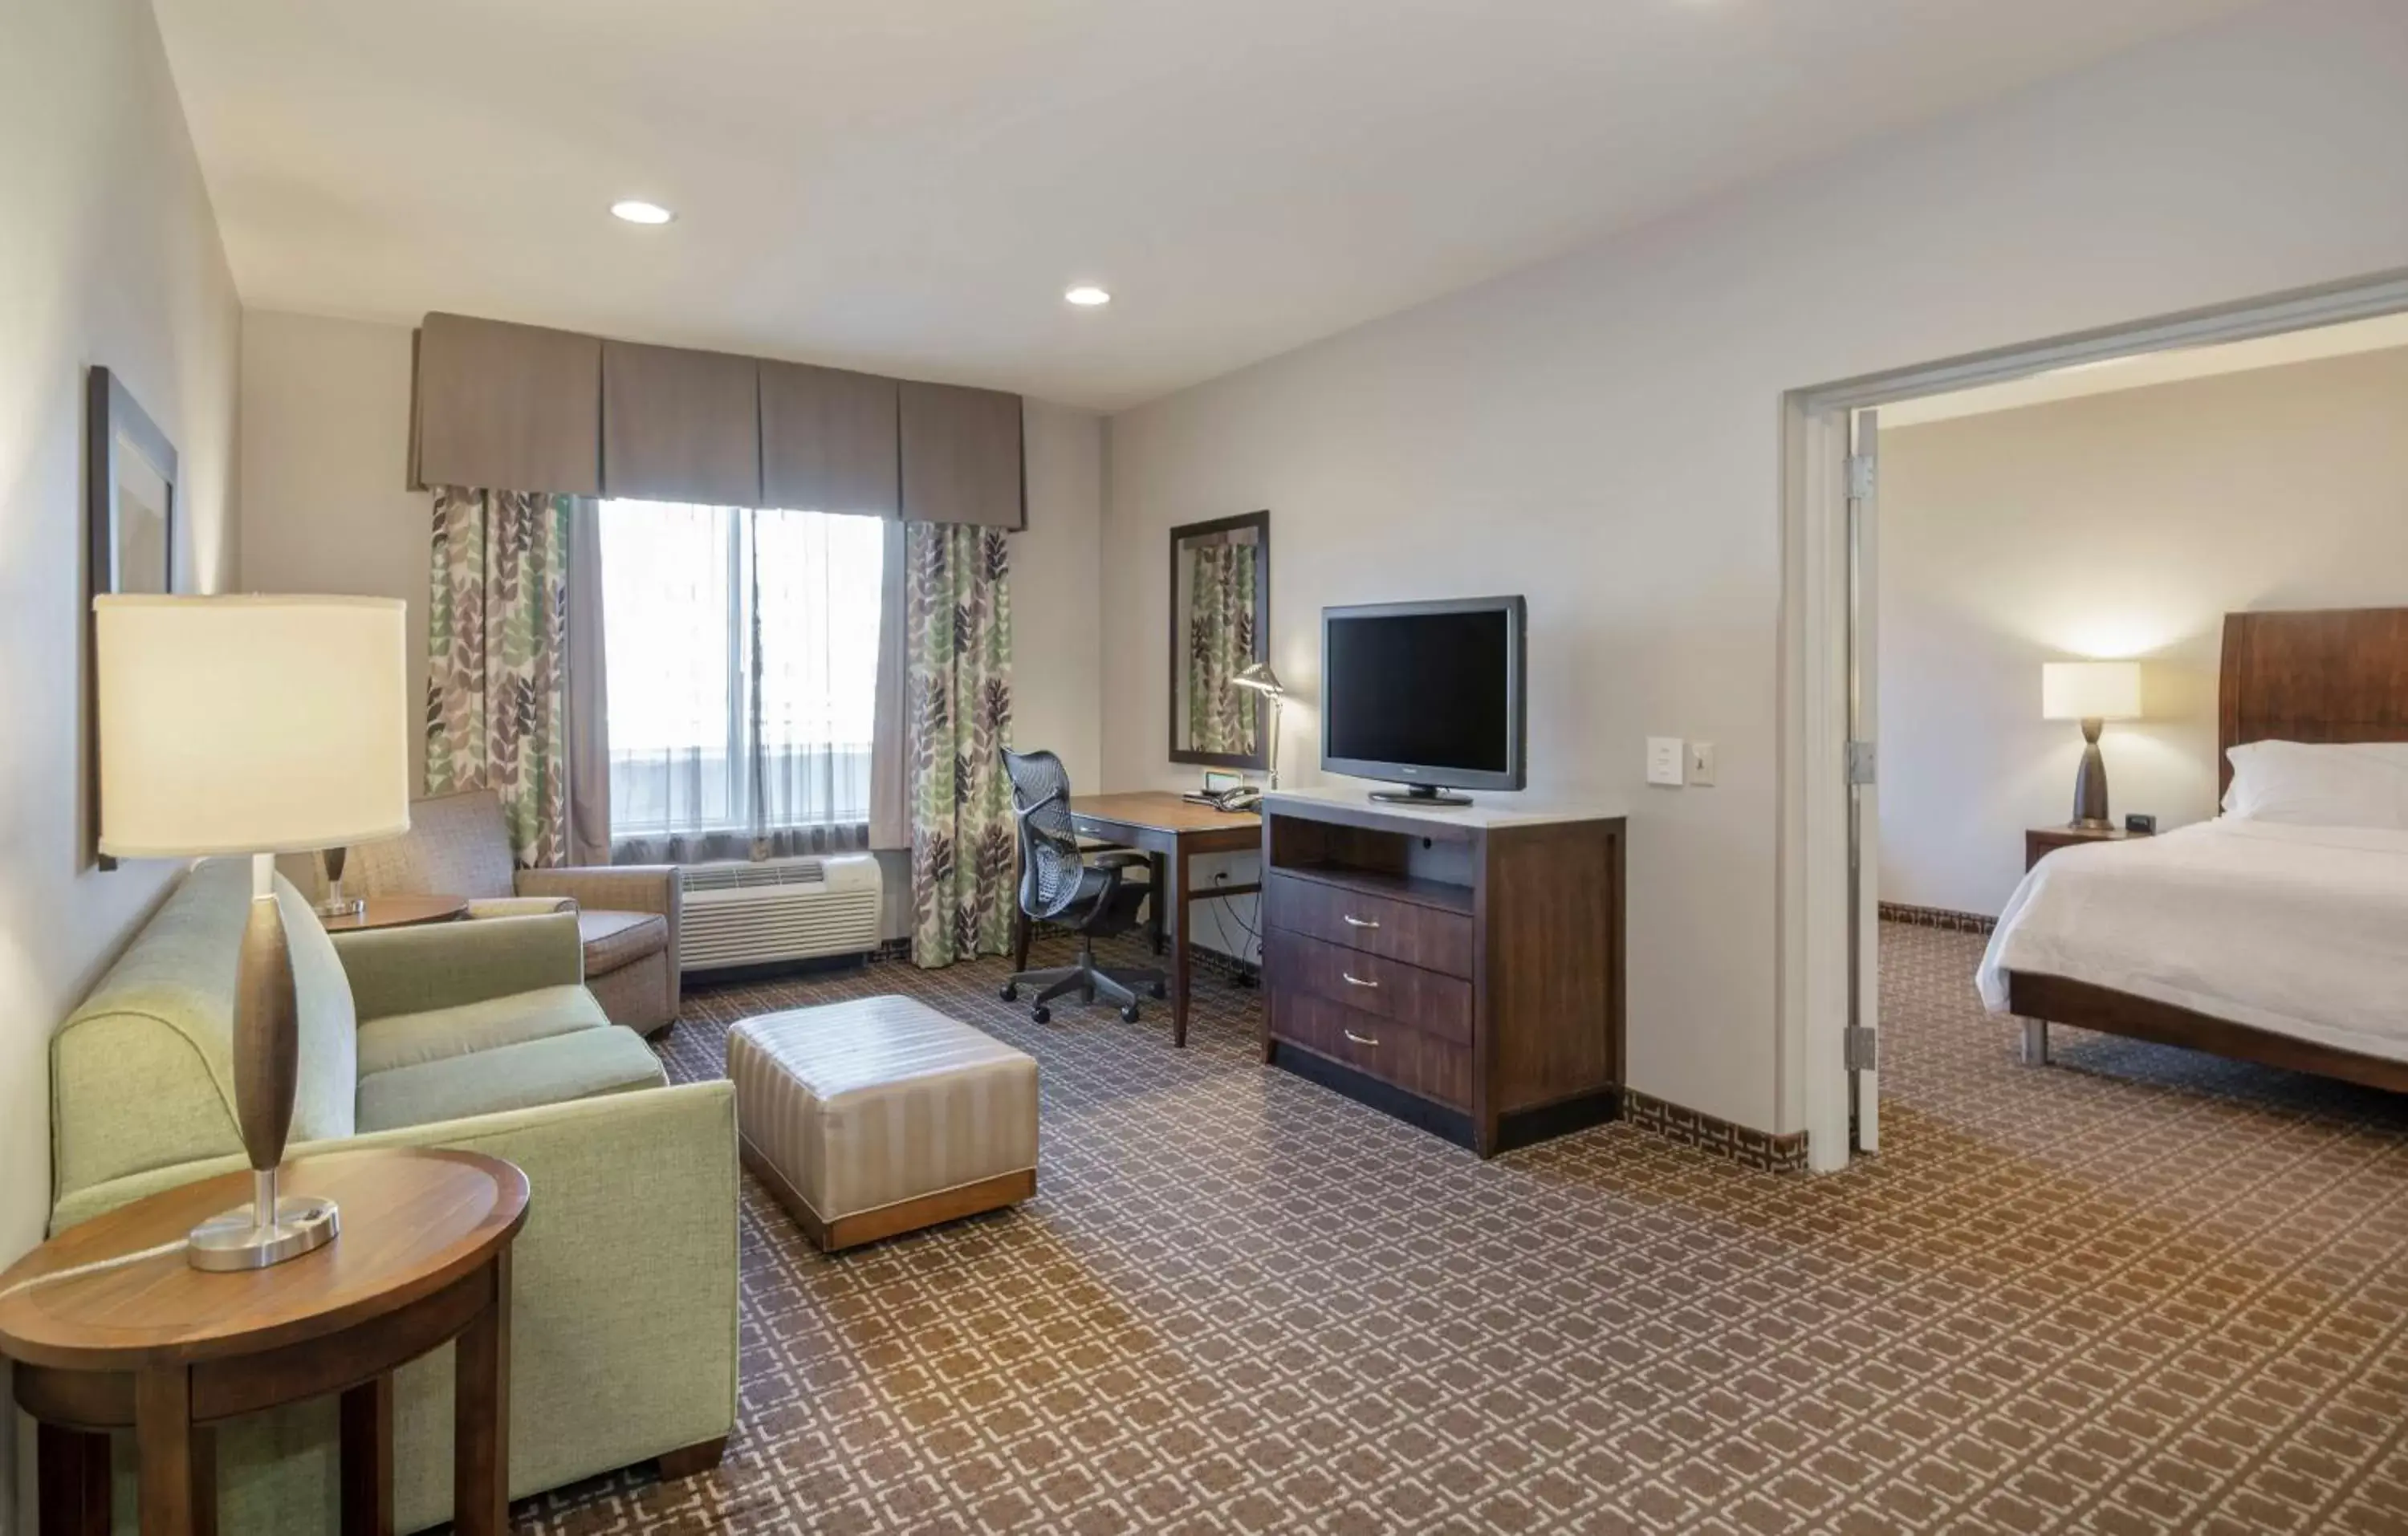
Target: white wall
{"points": [[325, 434], [111, 256], [2122, 524], [1602, 433]]}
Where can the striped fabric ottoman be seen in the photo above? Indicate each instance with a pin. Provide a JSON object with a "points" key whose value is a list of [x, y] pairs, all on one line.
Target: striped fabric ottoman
{"points": [[881, 1115]]}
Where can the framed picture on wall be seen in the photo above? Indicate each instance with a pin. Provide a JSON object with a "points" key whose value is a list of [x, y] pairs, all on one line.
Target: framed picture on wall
{"points": [[130, 526]]}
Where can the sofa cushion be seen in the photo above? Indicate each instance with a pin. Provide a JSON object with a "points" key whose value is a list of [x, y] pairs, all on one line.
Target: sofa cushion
{"points": [[581, 1064], [142, 1072], [405, 1039], [620, 939]]}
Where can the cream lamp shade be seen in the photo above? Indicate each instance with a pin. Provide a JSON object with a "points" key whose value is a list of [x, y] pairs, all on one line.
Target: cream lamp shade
{"points": [[251, 725], [2090, 690]]}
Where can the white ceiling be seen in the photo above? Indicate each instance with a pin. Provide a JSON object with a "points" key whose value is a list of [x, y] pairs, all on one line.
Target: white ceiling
{"points": [[909, 184]]}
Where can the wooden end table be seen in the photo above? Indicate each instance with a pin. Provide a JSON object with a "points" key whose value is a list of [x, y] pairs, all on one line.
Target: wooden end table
{"points": [[399, 911], [169, 1350], [2040, 842]]}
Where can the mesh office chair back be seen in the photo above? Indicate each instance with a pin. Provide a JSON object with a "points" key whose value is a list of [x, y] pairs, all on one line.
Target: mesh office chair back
{"points": [[1050, 866]]}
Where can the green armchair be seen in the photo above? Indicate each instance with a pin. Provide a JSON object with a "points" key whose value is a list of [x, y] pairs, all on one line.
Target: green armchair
{"points": [[470, 1035]]}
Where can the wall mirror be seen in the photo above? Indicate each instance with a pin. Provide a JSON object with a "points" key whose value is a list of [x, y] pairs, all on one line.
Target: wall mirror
{"points": [[130, 522], [1220, 625]]}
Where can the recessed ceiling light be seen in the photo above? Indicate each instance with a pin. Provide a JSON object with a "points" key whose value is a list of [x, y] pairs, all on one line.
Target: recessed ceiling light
{"points": [[1087, 295], [636, 212]]}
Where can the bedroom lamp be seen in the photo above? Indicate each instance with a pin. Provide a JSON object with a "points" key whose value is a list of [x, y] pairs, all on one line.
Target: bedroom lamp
{"points": [[257, 725], [2094, 692], [1260, 679]]}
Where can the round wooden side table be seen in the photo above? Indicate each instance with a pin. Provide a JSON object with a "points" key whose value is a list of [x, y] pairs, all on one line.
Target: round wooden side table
{"points": [[399, 911], [168, 1351]]}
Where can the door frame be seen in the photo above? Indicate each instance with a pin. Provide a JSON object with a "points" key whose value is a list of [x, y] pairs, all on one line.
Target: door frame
{"points": [[1816, 930]]}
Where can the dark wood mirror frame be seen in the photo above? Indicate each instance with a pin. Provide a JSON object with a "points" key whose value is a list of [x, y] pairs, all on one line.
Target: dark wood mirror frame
{"points": [[115, 425], [1258, 759]]}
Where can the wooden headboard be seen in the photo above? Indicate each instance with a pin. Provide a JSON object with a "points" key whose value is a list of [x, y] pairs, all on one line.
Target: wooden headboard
{"points": [[2317, 675]]}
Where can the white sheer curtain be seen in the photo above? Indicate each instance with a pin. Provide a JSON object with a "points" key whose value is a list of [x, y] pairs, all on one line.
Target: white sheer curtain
{"points": [[742, 666]]}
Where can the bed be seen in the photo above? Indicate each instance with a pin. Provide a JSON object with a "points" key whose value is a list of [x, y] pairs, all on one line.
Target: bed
{"points": [[2266, 941]]}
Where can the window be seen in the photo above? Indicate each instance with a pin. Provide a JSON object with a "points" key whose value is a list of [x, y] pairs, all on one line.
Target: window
{"points": [[741, 654]]}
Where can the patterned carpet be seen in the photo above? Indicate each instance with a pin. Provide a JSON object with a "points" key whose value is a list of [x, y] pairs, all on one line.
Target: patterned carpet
{"points": [[2140, 1291]]}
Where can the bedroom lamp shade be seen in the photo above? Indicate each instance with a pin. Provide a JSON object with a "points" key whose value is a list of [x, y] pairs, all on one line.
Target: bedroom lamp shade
{"points": [[2090, 690], [251, 725]]}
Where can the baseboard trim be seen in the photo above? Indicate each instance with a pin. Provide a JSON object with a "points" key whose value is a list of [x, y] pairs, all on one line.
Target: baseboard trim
{"points": [[1760, 1150], [1937, 917]]}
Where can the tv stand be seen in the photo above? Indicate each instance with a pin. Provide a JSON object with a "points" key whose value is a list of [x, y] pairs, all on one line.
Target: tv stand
{"points": [[1461, 969], [1421, 795]]}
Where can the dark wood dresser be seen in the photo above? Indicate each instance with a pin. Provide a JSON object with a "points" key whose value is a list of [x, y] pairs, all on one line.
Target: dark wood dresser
{"points": [[1461, 969]]}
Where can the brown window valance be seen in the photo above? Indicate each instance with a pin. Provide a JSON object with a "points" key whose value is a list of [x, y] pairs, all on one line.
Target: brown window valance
{"points": [[507, 408], [519, 407], [680, 426]]}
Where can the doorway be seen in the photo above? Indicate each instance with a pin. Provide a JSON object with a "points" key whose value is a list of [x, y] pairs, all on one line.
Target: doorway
{"points": [[1830, 848]]}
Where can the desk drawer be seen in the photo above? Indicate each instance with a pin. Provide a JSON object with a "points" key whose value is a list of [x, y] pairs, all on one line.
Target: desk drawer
{"points": [[1391, 989], [1420, 1064], [1375, 924]]}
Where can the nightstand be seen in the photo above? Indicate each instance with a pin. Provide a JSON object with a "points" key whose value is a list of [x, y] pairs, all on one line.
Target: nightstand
{"points": [[2040, 842]]}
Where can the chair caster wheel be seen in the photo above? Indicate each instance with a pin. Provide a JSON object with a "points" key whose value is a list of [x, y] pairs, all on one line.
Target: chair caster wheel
{"points": [[1011, 994], [1041, 1014], [1129, 1014], [1159, 990]]}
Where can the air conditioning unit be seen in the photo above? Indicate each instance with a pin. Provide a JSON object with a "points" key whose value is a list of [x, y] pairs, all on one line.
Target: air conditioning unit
{"points": [[739, 914]]}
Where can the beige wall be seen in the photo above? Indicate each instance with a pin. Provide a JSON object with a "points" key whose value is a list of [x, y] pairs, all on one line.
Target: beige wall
{"points": [[1603, 434], [2122, 524], [109, 256], [325, 421]]}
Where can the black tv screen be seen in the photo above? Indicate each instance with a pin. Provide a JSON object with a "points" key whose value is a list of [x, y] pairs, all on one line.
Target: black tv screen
{"points": [[1425, 693]]}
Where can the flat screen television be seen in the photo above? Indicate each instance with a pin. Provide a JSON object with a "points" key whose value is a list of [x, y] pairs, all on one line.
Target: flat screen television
{"points": [[1426, 695]]}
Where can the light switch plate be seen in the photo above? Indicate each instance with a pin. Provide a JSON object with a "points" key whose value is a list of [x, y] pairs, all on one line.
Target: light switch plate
{"points": [[1664, 761], [1701, 764]]}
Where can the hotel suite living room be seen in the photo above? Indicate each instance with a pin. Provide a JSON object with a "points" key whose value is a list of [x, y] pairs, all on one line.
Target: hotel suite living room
{"points": [[1097, 765]]}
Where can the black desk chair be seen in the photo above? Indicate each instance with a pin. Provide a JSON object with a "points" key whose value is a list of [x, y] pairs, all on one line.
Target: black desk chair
{"points": [[1059, 884]]}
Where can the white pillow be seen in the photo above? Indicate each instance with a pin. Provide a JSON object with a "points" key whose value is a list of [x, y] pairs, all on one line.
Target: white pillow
{"points": [[2356, 784]]}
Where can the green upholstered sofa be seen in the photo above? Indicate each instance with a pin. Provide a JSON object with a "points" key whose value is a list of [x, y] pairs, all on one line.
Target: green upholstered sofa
{"points": [[472, 1035]]}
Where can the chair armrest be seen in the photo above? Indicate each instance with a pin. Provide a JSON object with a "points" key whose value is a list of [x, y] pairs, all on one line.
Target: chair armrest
{"points": [[1118, 861], [519, 906], [444, 965], [616, 888]]}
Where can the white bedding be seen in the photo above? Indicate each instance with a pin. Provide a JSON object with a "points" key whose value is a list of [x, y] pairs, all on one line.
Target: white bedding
{"points": [[2301, 930]]}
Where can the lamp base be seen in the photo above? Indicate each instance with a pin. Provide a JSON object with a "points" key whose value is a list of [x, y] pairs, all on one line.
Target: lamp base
{"points": [[236, 1240]]}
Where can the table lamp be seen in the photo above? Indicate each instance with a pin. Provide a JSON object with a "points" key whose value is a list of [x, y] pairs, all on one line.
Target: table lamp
{"points": [[2094, 692], [257, 725], [1260, 679]]}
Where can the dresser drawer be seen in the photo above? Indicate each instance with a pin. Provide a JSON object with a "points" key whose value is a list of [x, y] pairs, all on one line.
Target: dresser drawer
{"points": [[1426, 937], [1422, 1065], [1370, 983]]}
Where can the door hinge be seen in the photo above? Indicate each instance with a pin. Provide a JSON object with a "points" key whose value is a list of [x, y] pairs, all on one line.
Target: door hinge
{"points": [[1863, 1049], [1860, 477], [1860, 763]]}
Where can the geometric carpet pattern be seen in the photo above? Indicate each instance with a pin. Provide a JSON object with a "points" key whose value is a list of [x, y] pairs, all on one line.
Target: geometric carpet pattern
{"points": [[2140, 1291]]}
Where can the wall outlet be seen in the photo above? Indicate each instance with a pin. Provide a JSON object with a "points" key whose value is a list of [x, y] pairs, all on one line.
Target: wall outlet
{"points": [[1664, 761], [1701, 764]]}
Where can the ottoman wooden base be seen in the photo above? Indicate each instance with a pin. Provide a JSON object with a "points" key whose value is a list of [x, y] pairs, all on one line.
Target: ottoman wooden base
{"points": [[889, 1220]]}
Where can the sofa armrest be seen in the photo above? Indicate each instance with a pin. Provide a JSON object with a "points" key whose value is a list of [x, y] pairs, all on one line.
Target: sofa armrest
{"points": [[444, 965], [483, 907], [615, 888]]}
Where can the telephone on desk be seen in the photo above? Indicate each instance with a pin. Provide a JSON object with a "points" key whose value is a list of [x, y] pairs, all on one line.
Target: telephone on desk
{"points": [[1241, 798]]}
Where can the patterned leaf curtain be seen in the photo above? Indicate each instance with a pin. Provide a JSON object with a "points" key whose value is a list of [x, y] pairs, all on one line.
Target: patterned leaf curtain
{"points": [[1220, 645], [497, 631], [965, 858]]}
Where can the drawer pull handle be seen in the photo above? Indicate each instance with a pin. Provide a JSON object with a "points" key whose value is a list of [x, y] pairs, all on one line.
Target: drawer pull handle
{"points": [[1361, 1040], [1352, 980], [1354, 922]]}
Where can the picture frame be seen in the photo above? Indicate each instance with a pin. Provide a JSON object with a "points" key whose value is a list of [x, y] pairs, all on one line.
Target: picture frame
{"points": [[131, 509]]}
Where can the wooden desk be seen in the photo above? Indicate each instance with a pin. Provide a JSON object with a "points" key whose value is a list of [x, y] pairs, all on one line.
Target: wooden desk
{"points": [[1173, 831], [170, 1351]]}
